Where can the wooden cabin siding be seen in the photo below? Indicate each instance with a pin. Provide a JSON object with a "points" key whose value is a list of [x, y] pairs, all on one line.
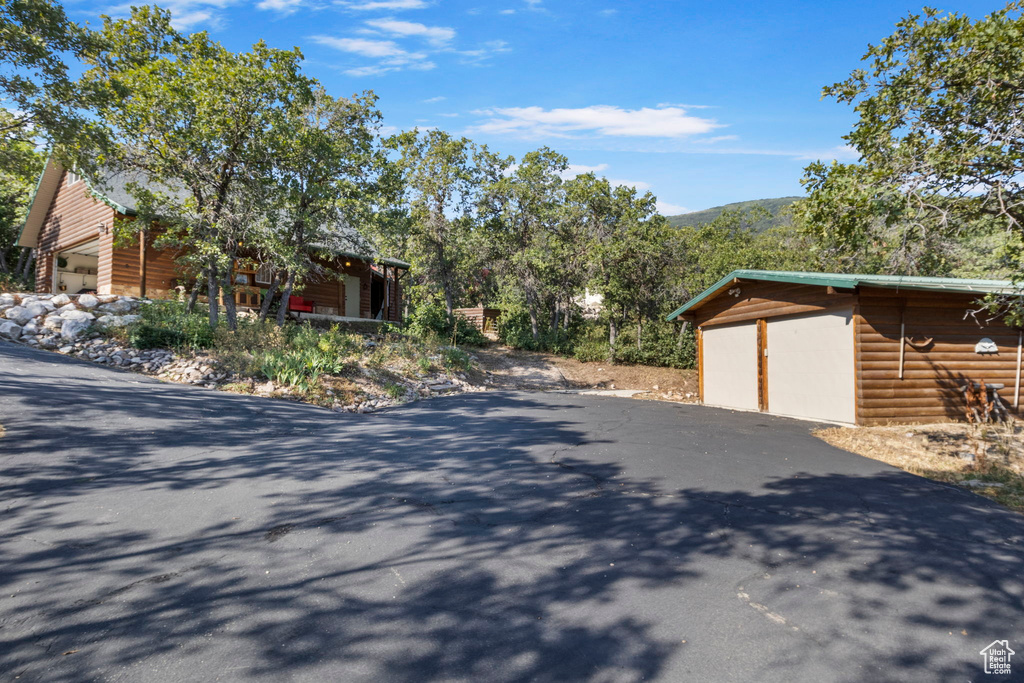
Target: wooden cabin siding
{"points": [[161, 271], [758, 300], [73, 217], [933, 375]]}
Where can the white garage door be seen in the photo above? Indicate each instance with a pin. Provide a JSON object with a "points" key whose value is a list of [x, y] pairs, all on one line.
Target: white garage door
{"points": [[810, 367], [730, 366]]}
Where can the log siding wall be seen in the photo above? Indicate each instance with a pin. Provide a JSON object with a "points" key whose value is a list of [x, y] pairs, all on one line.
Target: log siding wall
{"points": [[933, 373], [74, 217], [768, 300]]}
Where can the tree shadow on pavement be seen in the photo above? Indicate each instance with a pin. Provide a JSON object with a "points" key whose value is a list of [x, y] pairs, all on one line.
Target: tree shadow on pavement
{"points": [[486, 537]]}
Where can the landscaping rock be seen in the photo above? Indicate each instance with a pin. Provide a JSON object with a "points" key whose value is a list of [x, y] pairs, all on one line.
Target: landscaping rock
{"points": [[88, 301], [78, 315], [18, 314], [36, 308], [60, 300], [7, 300], [72, 329], [67, 307], [118, 307], [53, 321], [10, 329]]}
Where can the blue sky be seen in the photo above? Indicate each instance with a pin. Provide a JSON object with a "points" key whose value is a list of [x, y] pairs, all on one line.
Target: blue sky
{"points": [[703, 103]]}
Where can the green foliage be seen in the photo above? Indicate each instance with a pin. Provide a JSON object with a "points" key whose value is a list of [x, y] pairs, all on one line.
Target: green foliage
{"points": [[37, 35], [394, 391], [307, 356], [456, 359], [939, 139], [432, 321], [660, 346], [167, 324], [10, 282]]}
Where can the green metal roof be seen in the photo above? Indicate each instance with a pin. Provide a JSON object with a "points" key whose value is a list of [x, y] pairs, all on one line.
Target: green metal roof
{"points": [[850, 281]]}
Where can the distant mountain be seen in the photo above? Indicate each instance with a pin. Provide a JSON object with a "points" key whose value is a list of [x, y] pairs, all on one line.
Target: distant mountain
{"points": [[774, 207]]}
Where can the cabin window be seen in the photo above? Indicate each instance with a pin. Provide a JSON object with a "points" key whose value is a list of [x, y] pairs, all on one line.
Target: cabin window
{"points": [[73, 178], [264, 275]]}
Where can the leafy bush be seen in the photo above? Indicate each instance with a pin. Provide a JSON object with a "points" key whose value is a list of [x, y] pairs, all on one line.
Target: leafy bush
{"points": [[431, 320], [660, 345], [13, 283], [455, 358], [514, 329], [591, 350], [167, 324]]}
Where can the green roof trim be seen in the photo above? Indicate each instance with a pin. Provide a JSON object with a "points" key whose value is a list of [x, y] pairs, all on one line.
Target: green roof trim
{"points": [[33, 200], [850, 281]]}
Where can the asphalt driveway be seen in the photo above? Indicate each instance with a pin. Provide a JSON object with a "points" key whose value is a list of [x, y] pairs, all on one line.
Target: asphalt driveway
{"points": [[154, 532]]}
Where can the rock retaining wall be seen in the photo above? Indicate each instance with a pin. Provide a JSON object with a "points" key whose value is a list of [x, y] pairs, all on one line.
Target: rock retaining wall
{"points": [[53, 321]]}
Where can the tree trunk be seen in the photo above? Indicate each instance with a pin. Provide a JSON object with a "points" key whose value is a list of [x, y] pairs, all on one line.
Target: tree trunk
{"points": [[3, 262], [531, 305], [639, 333], [24, 252], [613, 331], [28, 264], [554, 317], [193, 296], [269, 298], [568, 313], [449, 300], [682, 331], [289, 283], [228, 289], [212, 293]]}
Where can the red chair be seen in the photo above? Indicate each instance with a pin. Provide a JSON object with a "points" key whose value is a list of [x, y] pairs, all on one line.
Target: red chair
{"points": [[300, 305]]}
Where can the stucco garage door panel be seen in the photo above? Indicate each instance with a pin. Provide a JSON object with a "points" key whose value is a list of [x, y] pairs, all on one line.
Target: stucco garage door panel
{"points": [[730, 366], [810, 367]]}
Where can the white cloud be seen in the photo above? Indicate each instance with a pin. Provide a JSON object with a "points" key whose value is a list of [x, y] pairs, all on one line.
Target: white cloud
{"points": [[608, 12], [381, 43], [666, 209], [840, 153], [449, 116], [483, 53], [185, 14], [390, 55], [438, 36], [507, 11], [386, 4], [640, 185], [536, 122], [282, 6], [431, 100], [579, 169], [720, 138], [363, 46]]}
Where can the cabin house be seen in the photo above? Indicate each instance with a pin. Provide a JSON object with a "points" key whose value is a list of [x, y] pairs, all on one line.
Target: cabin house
{"points": [[70, 225], [852, 349]]}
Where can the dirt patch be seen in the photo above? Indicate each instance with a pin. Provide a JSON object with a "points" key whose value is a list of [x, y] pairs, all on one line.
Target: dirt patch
{"points": [[986, 459], [503, 368]]}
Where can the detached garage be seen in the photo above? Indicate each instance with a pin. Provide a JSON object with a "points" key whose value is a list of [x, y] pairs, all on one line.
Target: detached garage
{"points": [[853, 349]]}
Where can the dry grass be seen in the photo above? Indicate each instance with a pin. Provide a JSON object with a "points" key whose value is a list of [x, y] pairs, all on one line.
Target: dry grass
{"points": [[954, 453]]}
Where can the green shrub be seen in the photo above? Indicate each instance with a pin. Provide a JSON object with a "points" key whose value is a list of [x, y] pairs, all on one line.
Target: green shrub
{"points": [[591, 351], [13, 283], [167, 324], [395, 391], [431, 320], [455, 358], [514, 329]]}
